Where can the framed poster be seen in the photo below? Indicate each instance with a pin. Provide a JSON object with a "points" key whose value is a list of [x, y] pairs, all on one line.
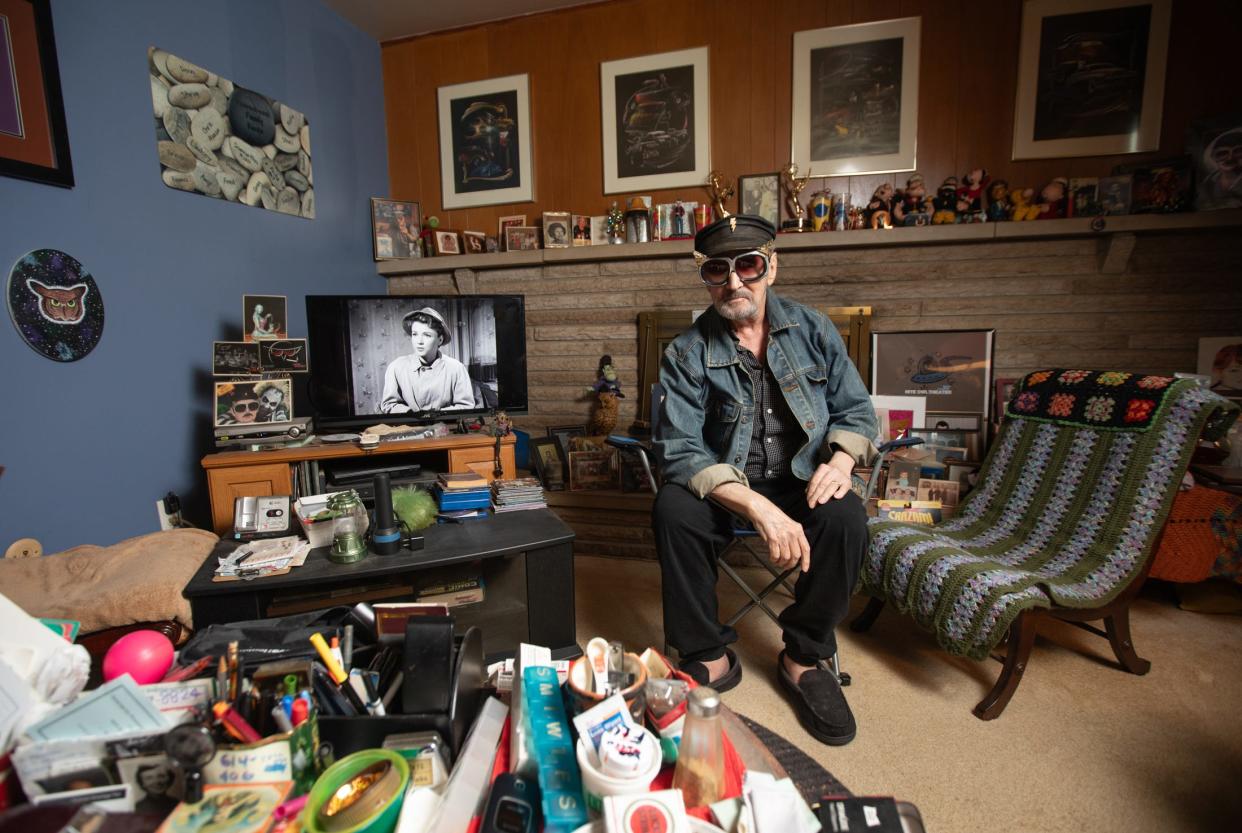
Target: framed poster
{"points": [[485, 153], [856, 98], [760, 195], [951, 368], [1215, 147], [656, 121], [34, 142], [1090, 77], [395, 229]]}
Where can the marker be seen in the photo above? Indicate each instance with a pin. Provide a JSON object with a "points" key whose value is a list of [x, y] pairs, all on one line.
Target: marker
{"points": [[291, 690], [283, 721], [329, 661], [235, 724]]}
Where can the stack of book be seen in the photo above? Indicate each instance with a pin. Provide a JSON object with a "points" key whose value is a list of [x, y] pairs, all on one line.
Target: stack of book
{"points": [[462, 495], [519, 493]]}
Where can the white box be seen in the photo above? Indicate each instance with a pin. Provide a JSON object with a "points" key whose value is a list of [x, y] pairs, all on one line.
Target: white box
{"points": [[319, 533]]}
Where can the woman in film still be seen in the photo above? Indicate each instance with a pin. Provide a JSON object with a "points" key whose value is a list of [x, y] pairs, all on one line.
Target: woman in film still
{"points": [[426, 379]]}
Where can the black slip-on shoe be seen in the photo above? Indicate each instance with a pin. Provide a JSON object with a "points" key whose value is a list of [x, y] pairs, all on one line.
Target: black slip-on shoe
{"points": [[820, 704], [726, 681]]}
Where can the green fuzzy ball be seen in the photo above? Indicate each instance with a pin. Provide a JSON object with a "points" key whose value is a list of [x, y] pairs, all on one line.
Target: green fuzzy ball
{"points": [[414, 507]]}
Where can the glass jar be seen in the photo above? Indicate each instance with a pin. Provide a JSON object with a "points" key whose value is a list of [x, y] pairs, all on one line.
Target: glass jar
{"points": [[700, 773], [349, 526]]}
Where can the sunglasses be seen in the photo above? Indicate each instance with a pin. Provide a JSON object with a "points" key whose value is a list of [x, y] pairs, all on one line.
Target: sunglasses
{"points": [[246, 406], [749, 267]]}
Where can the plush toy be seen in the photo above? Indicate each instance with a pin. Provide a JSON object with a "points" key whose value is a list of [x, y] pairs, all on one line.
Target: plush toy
{"points": [[881, 204], [911, 208], [1053, 199], [998, 201], [607, 391], [1020, 204], [414, 507], [970, 196], [945, 202]]}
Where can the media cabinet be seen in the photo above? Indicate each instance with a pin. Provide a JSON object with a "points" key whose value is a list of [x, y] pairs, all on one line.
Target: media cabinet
{"points": [[234, 474]]}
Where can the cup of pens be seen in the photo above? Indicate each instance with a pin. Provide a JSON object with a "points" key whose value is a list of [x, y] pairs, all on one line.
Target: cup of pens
{"points": [[586, 688]]}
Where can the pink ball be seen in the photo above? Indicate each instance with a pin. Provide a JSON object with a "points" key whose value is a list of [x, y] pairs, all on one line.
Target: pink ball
{"points": [[144, 655]]}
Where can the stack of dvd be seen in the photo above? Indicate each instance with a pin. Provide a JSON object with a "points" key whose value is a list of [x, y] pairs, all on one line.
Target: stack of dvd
{"points": [[516, 494]]}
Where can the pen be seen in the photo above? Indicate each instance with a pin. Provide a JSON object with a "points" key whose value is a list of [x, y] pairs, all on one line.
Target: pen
{"points": [[222, 680], [329, 661], [234, 673]]}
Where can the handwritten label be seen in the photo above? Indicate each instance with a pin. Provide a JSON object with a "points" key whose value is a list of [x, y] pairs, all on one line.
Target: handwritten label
{"points": [[268, 761], [179, 701]]}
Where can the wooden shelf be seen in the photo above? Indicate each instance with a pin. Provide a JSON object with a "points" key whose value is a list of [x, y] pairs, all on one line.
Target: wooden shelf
{"points": [[919, 235]]}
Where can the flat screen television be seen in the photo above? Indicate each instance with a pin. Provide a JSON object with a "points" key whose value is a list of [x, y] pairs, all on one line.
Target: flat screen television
{"points": [[414, 359]]}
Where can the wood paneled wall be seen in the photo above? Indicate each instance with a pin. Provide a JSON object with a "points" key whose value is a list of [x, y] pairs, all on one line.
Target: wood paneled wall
{"points": [[966, 92]]}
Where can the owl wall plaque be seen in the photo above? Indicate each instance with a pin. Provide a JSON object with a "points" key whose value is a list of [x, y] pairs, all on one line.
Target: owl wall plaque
{"points": [[55, 305]]}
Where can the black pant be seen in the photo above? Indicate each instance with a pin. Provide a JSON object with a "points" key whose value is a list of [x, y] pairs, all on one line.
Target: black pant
{"points": [[690, 533]]}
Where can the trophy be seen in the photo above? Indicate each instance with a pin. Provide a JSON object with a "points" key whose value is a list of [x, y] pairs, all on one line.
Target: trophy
{"points": [[794, 185], [719, 191]]}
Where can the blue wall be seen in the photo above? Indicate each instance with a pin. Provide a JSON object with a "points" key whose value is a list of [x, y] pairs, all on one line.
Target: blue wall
{"points": [[89, 446]]}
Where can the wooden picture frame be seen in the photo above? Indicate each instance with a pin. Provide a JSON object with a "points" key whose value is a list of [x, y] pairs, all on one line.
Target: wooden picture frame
{"points": [[1086, 84], [562, 434], [856, 130], [34, 139], [446, 242], [388, 240], [760, 195], [499, 172], [474, 242], [545, 459], [656, 121], [591, 470]]}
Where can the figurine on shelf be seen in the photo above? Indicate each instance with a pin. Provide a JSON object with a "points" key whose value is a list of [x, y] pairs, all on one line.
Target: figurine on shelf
{"points": [[998, 201], [855, 220], [911, 207], [970, 196], [945, 202], [794, 185], [719, 190], [607, 391], [879, 211], [1020, 207], [614, 221], [1053, 200]]}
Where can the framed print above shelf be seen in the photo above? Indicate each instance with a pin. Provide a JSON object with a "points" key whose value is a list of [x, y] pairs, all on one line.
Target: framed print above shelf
{"points": [[485, 151], [34, 141]]}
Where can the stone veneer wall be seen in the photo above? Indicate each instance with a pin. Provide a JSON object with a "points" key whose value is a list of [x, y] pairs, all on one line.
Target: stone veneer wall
{"points": [[1051, 302]]}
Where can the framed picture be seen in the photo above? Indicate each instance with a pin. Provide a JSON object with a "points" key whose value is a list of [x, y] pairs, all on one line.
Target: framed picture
{"points": [[446, 242], [1221, 360], [562, 434], [1004, 390], [485, 154], [243, 403], [902, 482], [509, 222], [1215, 147], [1090, 77], [592, 470], [856, 98], [599, 231], [34, 142], [1115, 192], [1160, 187], [546, 460], [264, 316], [521, 238], [581, 232], [760, 195], [283, 355], [475, 242], [235, 358], [556, 229], [899, 415], [945, 491], [490, 244], [951, 368], [656, 121], [395, 229]]}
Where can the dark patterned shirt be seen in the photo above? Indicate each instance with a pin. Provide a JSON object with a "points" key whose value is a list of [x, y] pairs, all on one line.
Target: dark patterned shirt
{"points": [[776, 436]]}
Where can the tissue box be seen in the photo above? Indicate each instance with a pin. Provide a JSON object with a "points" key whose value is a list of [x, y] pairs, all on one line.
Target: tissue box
{"points": [[318, 532]]}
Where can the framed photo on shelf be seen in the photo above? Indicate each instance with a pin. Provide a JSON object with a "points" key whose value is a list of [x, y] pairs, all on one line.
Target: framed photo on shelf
{"points": [[521, 238], [1220, 359], [244, 403], [592, 470], [599, 231], [581, 230], [264, 316], [760, 195], [235, 358], [283, 355], [34, 142], [474, 242], [856, 98], [395, 229], [545, 459], [446, 242], [491, 166], [945, 491], [511, 221], [556, 229], [656, 121], [951, 368], [1090, 77], [562, 434]]}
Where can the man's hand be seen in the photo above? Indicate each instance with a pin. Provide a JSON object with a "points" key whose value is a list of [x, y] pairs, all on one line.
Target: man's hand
{"points": [[787, 544], [831, 480]]}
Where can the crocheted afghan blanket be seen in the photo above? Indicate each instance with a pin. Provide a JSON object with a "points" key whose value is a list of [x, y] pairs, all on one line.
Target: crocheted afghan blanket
{"points": [[1071, 498]]}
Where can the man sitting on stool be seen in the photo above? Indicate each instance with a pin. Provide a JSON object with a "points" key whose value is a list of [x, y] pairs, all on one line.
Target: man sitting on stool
{"points": [[765, 414]]}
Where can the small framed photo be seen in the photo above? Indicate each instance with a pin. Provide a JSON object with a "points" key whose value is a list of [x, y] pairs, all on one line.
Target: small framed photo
{"points": [[447, 242], [945, 491], [556, 229], [235, 358], [1220, 359], [284, 355], [581, 230], [475, 242], [599, 231], [592, 470], [521, 238], [395, 229], [760, 195], [545, 459], [151, 776], [244, 403], [1004, 391], [504, 223], [951, 368], [1115, 193], [491, 245], [264, 316], [964, 474], [902, 482], [562, 435]]}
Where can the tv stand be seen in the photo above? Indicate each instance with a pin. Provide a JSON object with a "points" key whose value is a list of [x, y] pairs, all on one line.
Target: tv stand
{"points": [[234, 474]]}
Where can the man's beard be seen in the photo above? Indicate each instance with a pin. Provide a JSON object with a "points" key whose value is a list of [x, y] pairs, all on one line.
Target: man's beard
{"points": [[738, 312]]}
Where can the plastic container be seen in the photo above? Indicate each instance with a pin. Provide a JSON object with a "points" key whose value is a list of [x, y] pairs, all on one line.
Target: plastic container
{"points": [[596, 785]]}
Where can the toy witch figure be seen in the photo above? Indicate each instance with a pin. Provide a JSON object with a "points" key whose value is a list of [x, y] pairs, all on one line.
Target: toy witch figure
{"points": [[607, 391]]}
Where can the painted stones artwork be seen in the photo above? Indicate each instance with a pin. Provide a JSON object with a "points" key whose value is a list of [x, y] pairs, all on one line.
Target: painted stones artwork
{"points": [[55, 305], [219, 139]]}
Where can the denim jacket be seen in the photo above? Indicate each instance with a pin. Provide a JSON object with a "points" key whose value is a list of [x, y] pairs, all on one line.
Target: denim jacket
{"points": [[705, 420]]}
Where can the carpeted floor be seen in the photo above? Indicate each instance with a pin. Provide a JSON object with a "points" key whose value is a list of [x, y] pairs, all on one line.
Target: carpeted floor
{"points": [[808, 775], [1082, 746]]}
